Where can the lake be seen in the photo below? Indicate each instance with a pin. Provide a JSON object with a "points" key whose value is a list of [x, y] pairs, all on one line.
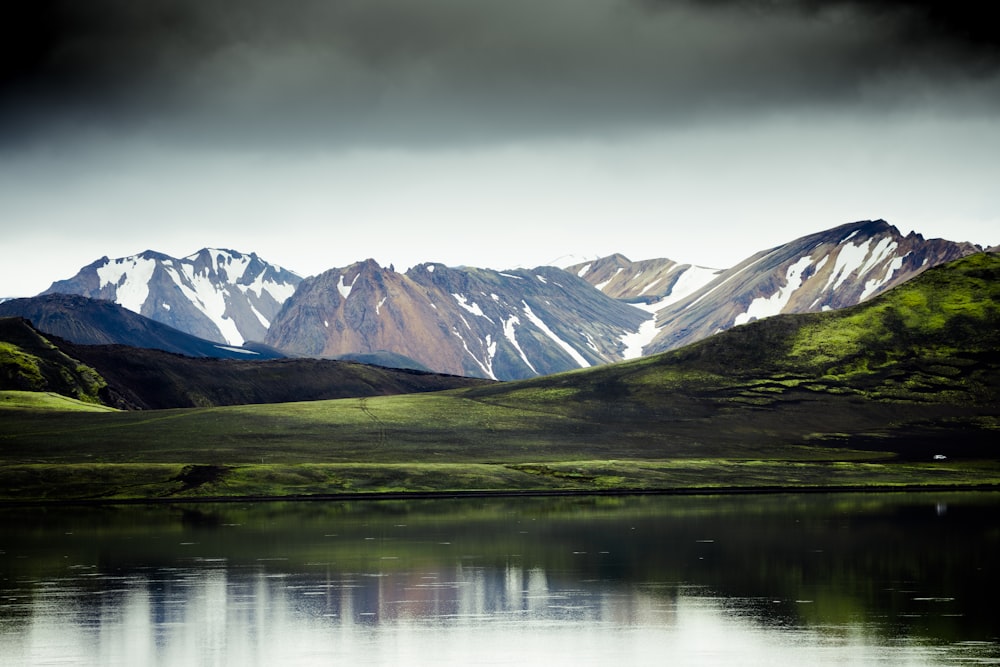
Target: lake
{"points": [[819, 579]]}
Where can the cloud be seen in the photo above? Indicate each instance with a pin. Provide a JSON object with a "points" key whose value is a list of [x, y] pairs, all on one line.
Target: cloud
{"points": [[311, 73]]}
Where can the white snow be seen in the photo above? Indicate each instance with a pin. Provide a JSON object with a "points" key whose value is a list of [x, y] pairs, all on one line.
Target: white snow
{"points": [[651, 285], [690, 281], [260, 317], [280, 292], [873, 285], [582, 272], [471, 306], [737, 273], [542, 279], [577, 357], [237, 349], [511, 275], [509, 334], [495, 297], [378, 306], [764, 306], [849, 259], [634, 342], [345, 290], [486, 369], [601, 286], [326, 323], [133, 292], [210, 300], [166, 306], [430, 268], [878, 254]]}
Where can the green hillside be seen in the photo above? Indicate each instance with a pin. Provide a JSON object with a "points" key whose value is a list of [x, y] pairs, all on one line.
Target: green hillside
{"points": [[872, 396], [30, 362]]}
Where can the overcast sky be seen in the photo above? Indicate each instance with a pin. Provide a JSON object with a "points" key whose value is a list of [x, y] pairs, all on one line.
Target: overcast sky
{"points": [[317, 133]]}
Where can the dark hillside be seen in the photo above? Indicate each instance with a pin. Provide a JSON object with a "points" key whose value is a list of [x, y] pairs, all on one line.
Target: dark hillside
{"points": [[96, 322], [153, 379]]}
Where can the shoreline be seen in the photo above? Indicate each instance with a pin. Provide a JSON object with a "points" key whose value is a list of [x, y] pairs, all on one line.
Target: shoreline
{"points": [[502, 493]]}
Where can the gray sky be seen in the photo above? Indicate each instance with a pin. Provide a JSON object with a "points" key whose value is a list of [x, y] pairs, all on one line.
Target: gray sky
{"points": [[318, 133]]}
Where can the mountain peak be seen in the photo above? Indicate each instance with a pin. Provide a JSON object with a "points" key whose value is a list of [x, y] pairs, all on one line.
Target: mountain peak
{"points": [[217, 294]]}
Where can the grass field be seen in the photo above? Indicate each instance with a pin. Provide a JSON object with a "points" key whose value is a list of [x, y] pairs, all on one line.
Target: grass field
{"points": [[445, 443]]}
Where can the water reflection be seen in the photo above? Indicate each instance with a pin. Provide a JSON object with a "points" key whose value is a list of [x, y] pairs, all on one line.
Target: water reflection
{"points": [[771, 580]]}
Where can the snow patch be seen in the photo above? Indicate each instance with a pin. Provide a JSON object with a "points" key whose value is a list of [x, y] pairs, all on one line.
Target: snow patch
{"points": [[577, 357], [133, 292], [650, 285], [260, 317], [345, 290], [849, 259], [207, 298], [878, 254], [601, 286], [542, 279], [873, 285], [762, 307], [166, 306], [471, 306], [690, 281], [486, 369], [634, 342], [509, 334], [741, 271], [378, 306], [237, 349], [582, 272]]}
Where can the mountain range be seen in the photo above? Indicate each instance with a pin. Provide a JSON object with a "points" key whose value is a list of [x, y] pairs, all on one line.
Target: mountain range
{"points": [[502, 325]]}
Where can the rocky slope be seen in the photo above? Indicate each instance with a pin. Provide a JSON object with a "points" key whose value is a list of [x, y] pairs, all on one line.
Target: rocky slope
{"points": [[650, 281], [219, 295], [466, 321], [828, 270]]}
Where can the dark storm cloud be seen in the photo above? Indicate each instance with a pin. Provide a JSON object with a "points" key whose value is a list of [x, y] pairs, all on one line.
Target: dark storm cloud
{"points": [[362, 72]]}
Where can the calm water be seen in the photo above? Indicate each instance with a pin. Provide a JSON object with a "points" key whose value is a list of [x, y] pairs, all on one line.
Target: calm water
{"points": [[769, 580]]}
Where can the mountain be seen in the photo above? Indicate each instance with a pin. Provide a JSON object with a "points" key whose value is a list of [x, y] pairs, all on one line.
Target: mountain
{"points": [[828, 270], [464, 321], [95, 322], [914, 371], [215, 294]]}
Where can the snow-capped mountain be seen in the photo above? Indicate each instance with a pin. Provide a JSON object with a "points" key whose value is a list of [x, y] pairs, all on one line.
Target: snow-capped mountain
{"points": [[215, 294], [467, 321], [828, 270]]}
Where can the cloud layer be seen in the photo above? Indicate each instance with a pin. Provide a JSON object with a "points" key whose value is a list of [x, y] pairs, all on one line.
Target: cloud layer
{"points": [[394, 72]]}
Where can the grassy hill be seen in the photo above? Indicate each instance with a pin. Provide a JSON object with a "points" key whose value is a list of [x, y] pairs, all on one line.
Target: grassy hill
{"points": [[865, 397], [31, 362]]}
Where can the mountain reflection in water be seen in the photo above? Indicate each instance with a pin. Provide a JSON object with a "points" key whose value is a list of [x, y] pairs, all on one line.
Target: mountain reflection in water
{"points": [[832, 579]]}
